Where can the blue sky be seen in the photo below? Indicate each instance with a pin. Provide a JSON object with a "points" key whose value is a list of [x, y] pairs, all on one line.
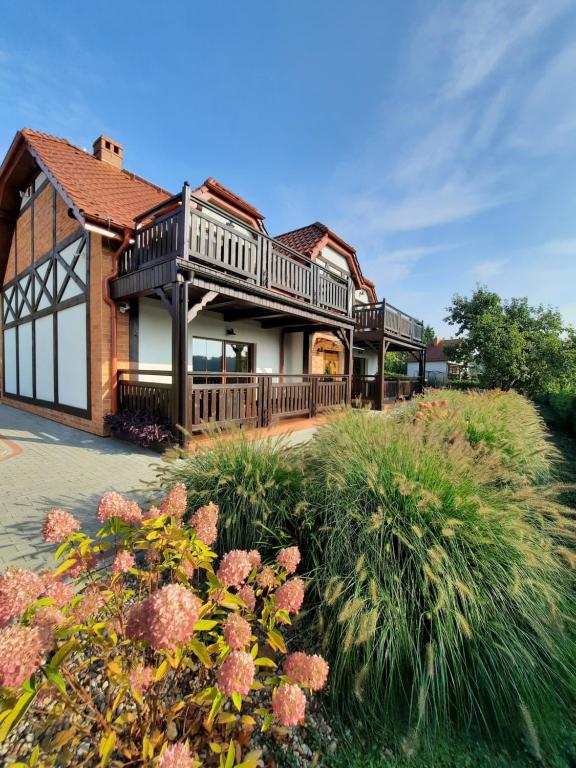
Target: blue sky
{"points": [[437, 137]]}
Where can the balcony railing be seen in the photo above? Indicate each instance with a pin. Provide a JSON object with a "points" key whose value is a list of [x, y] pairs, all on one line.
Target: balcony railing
{"points": [[366, 388], [384, 317], [233, 399], [188, 228]]}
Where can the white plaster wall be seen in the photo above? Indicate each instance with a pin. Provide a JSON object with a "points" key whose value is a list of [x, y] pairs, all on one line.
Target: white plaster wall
{"points": [[294, 353], [155, 337], [332, 256], [72, 374], [371, 361], [360, 296], [10, 361], [45, 358], [25, 359]]}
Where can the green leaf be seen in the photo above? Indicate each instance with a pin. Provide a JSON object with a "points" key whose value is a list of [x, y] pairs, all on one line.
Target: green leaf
{"points": [[276, 641], [204, 625], [18, 710], [265, 662], [65, 566], [216, 707], [55, 678], [62, 653], [105, 747], [237, 701], [199, 650], [230, 756]]}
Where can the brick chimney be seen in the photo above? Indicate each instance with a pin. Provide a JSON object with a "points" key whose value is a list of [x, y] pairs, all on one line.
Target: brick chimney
{"points": [[108, 151]]}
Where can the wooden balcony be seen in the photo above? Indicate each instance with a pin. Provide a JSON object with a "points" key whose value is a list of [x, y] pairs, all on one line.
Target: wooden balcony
{"points": [[228, 400], [225, 250], [369, 390], [384, 319]]}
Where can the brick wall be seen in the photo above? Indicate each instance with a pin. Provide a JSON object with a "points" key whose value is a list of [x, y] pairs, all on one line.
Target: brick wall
{"points": [[42, 210]]}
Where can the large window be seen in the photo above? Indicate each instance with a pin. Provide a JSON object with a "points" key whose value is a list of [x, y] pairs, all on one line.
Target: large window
{"points": [[46, 331], [210, 356]]}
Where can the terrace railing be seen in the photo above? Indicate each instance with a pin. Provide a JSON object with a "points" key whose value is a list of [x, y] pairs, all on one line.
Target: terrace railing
{"points": [[366, 387], [382, 316], [226, 399], [189, 228]]}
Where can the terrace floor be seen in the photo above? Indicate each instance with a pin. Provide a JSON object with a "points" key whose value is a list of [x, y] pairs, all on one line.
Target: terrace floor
{"points": [[44, 465]]}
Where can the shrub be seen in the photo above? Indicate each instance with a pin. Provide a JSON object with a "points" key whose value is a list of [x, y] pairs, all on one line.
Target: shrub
{"points": [[144, 428], [444, 602], [561, 409], [161, 657], [465, 384], [252, 481]]}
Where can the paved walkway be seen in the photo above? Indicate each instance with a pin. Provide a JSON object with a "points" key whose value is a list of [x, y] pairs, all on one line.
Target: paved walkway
{"points": [[44, 465]]}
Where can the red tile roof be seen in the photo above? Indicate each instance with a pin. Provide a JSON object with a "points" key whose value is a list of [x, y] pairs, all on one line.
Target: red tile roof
{"points": [[304, 239], [435, 350], [104, 193]]}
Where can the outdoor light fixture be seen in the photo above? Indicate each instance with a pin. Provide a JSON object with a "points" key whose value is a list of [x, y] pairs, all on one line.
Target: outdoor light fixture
{"points": [[230, 332], [123, 307]]}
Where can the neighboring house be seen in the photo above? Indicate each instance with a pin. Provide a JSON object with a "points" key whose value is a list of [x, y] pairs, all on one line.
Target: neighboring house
{"points": [[117, 294], [440, 368]]}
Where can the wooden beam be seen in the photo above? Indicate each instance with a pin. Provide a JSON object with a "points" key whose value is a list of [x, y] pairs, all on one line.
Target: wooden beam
{"points": [[161, 293], [200, 305], [256, 313]]}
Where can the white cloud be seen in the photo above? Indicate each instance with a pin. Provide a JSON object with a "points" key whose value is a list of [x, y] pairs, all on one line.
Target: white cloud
{"points": [[395, 265], [487, 269]]}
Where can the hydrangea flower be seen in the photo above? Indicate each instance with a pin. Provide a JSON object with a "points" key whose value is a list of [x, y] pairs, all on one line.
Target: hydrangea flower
{"points": [[141, 678], [255, 559], [288, 559], [166, 619], [123, 562], [57, 590], [111, 505], [21, 653], [83, 564], [247, 594], [58, 526], [289, 705], [236, 674], [309, 671], [47, 619], [151, 514], [204, 522], [237, 631], [176, 756], [289, 596], [266, 578], [234, 568], [93, 600], [174, 503], [19, 588], [131, 514]]}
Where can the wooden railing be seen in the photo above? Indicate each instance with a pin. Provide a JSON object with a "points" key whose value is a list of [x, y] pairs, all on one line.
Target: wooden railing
{"points": [[366, 388], [382, 316], [233, 398], [192, 229]]}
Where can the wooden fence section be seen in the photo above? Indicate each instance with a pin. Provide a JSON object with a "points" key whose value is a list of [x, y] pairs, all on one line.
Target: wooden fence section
{"points": [[238, 399], [189, 228], [384, 317], [366, 388]]}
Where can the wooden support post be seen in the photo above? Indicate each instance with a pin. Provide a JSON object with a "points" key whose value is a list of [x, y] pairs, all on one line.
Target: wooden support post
{"points": [[422, 369], [348, 362], [380, 380], [180, 356]]}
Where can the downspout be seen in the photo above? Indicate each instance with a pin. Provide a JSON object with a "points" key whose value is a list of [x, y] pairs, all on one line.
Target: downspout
{"points": [[113, 326]]}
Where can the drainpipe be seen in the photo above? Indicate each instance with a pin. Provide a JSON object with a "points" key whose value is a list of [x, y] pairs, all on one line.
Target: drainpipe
{"points": [[108, 299]]}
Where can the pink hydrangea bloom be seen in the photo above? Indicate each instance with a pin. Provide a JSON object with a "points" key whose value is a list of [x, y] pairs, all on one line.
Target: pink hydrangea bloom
{"points": [[289, 596], [187, 567], [255, 559], [131, 514], [112, 504], [151, 514], [47, 619], [289, 705], [308, 671], [19, 588], [57, 590], [234, 568], [236, 674], [166, 619], [204, 522], [141, 678], [174, 503], [266, 578], [248, 595], [237, 631], [21, 653], [58, 526], [176, 756], [92, 603], [288, 559], [123, 562]]}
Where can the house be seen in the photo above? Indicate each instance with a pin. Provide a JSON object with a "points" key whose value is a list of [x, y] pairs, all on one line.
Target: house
{"points": [[117, 294], [440, 368]]}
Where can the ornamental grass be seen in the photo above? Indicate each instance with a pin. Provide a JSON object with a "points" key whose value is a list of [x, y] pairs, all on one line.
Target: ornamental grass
{"points": [[253, 482], [445, 601], [159, 654]]}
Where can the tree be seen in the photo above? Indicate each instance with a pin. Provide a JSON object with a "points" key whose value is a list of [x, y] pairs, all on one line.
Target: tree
{"points": [[428, 334], [512, 343]]}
